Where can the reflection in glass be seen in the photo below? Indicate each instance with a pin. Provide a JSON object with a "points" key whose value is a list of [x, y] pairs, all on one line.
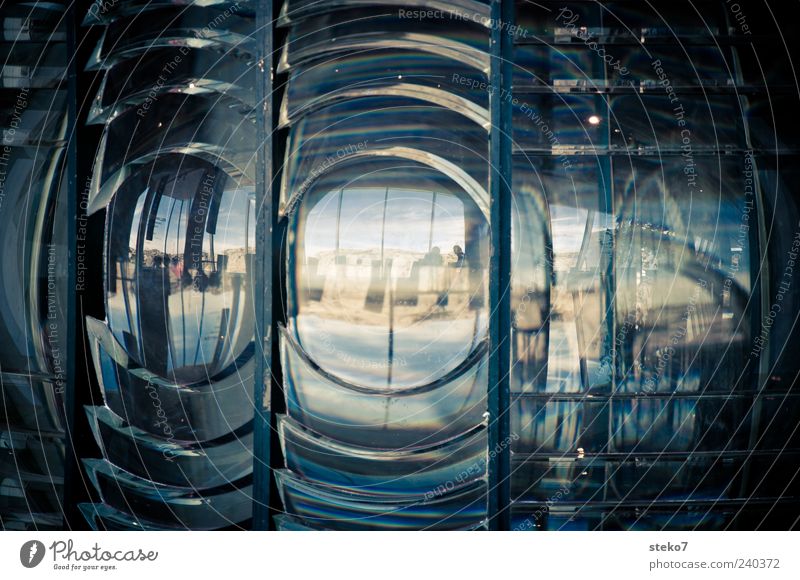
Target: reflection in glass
{"points": [[170, 507], [343, 510], [197, 466], [193, 413], [383, 419], [175, 177], [391, 281], [34, 328], [643, 389], [368, 471], [178, 276], [384, 195]]}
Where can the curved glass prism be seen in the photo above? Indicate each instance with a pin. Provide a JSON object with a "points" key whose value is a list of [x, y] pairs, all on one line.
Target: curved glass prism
{"points": [[324, 36], [31, 243], [170, 506], [101, 517], [287, 523], [295, 10], [386, 472], [34, 258], [196, 412], [199, 466], [383, 420], [378, 308], [385, 198], [166, 26], [195, 71], [180, 245], [175, 177], [105, 518], [388, 73], [179, 131], [403, 129], [340, 510], [107, 12]]}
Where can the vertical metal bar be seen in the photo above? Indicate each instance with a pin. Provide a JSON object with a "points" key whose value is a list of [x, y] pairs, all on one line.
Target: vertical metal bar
{"points": [[263, 269], [759, 275], [609, 288], [387, 281], [339, 222], [502, 19], [433, 218], [383, 230]]}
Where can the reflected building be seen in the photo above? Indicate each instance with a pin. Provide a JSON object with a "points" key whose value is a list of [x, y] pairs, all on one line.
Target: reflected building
{"points": [[646, 156]]}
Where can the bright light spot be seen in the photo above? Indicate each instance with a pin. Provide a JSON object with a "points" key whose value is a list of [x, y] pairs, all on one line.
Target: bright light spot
{"points": [[594, 120]]}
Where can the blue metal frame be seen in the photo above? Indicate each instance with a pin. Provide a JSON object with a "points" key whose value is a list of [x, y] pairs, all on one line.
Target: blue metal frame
{"points": [[262, 421], [502, 54]]}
